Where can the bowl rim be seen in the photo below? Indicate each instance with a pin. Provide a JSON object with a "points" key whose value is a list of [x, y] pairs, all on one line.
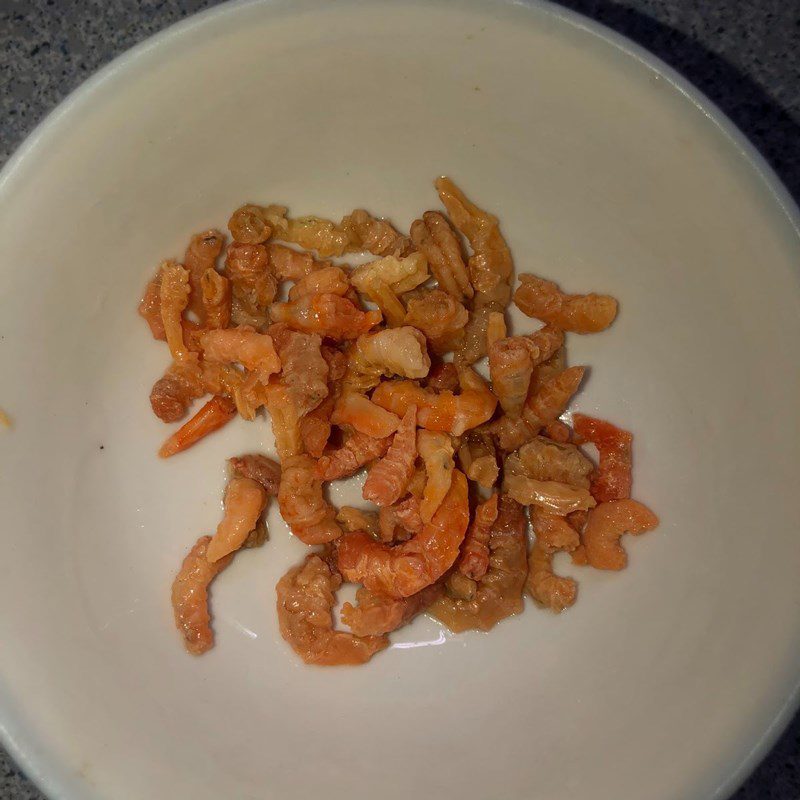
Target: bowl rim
{"points": [[20, 744]]}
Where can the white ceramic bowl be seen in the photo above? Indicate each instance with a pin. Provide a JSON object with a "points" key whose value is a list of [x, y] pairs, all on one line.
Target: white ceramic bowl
{"points": [[608, 172]]}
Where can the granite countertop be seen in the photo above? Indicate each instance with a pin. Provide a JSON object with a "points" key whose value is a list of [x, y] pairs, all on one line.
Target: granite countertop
{"points": [[744, 55]]}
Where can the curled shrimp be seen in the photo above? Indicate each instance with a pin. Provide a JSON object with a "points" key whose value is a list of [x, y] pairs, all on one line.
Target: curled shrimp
{"points": [[291, 265], [614, 477], [396, 351], [579, 313], [328, 280], [606, 525], [357, 519], [250, 224], [190, 597], [304, 369], [174, 297], [551, 461], [259, 468], [551, 397], [377, 614], [405, 569], [434, 237], [357, 450], [302, 503], [174, 392], [474, 559], [254, 351], [481, 604], [440, 317], [477, 458], [405, 515], [315, 233], [306, 597], [382, 280], [253, 286], [244, 501], [436, 451], [511, 368], [377, 236], [388, 477], [201, 256], [215, 291], [285, 419], [364, 415], [327, 315], [445, 411], [218, 411], [555, 496], [553, 533]]}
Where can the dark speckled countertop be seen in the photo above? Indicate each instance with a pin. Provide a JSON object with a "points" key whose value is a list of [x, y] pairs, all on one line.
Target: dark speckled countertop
{"points": [[744, 54]]}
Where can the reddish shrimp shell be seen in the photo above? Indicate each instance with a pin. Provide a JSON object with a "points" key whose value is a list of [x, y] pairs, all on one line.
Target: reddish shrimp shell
{"points": [[614, 477]]}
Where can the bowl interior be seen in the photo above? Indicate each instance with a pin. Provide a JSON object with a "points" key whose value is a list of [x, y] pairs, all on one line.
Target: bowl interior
{"points": [[605, 176]]}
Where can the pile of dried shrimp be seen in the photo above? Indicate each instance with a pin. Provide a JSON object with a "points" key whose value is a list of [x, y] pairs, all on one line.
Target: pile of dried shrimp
{"points": [[354, 370]]}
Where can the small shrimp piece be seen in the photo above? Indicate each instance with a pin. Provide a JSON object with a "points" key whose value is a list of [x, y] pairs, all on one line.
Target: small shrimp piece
{"points": [[174, 392], [292, 265], [174, 296], [397, 351], [254, 351], [496, 328], [216, 413], [306, 597], [404, 515], [550, 399], [558, 431], [474, 559], [388, 478], [201, 255], [434, 237], [285, 419], [258, 468], [550, 367], [150, 308], [553, 534], [329, 280], [377, 614], [436, 451], [444, 411], [244, 501], [443, 378], [382, 280], [405, 569], [606, 525], [215, 294], [579, 313], [480, 605], [315, 233], [315, 427], [544, 344], [357, 450], [551, 461], [253, 286], [614, 476], [249, 225], [363, 415], [511, 368], [440, 317], [475, 344], [305, 370], [555, 496], [327, 315], [374, 235], [477, 457], [491, 262], [190, 597], [357, 519], [302, 503]]}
